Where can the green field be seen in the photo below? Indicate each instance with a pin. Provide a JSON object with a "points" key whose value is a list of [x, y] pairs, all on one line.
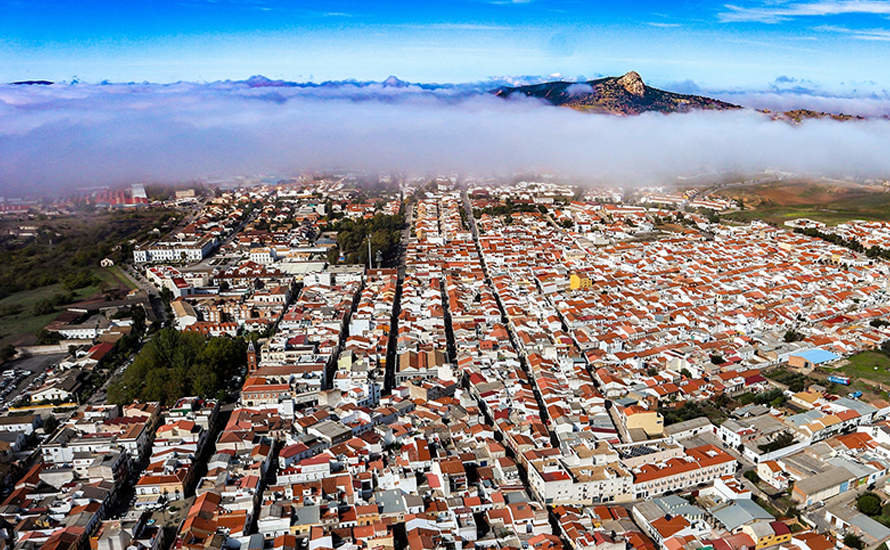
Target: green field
{"points": [[862, 366], [831, 203], [23, 326], [778, 215], [16, 327], [117, 277]]}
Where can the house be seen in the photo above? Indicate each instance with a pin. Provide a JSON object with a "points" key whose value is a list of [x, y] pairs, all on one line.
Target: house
{"points": [[825, 485], [184, 314], [25, 423], [766, 533], [636, 419], [61, 389], [811, 358], [771, 473]]}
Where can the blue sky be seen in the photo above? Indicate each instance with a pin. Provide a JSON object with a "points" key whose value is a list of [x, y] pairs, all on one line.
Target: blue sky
{"points": [[830, 45]]}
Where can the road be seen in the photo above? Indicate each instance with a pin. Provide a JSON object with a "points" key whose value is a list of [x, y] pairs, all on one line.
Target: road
{"points": [[154, 297], [206, 262]]}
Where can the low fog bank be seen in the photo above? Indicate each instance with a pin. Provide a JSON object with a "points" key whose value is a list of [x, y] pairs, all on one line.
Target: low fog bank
{"points": [[865, 106], [61, 136]]}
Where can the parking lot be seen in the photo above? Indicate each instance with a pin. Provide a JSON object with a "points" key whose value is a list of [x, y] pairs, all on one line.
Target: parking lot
{"points": [[27, 374]]}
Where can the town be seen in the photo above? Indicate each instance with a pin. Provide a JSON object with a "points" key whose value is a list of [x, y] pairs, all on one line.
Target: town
{"points": [[327, 363]]}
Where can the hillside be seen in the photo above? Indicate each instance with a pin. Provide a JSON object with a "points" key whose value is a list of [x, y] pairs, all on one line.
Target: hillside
{"points": [[625, 95]]}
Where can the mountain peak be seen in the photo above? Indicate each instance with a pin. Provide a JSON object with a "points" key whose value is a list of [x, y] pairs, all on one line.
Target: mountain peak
{"points": [[619, 95], [393, 81], [633, 83], [260, 81]]}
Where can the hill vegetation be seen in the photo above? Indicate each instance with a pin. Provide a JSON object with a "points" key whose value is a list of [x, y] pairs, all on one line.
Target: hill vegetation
{"points": [[629, 95], [829, 202], [68, 250], [625, 95]]}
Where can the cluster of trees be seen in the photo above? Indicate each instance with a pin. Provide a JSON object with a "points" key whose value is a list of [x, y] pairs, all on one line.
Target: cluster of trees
{"points": [[872, 506], [794, 380], [694, 409], [174, 364], [509, 207], [352, 239], [773, 398], [49, 305], [852, 244], [781, 441], [7, 352]]}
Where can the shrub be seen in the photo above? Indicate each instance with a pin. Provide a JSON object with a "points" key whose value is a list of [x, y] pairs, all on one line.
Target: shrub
{"points": [[869, 504]]}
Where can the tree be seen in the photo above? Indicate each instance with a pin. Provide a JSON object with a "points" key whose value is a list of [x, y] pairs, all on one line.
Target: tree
{"points": [[47, 338], [784, 439], [7, 352], [174, 364], [44, 307], [869, 504], [50, 423], [853, 541], [78, 279], [751, 476]]}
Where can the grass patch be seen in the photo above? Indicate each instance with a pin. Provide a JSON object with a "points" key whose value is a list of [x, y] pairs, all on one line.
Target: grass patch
{"points": [[118, 275], [862, 365], [830, 203], [777, 215], [18, 322], [16, 326], [795, 381]]}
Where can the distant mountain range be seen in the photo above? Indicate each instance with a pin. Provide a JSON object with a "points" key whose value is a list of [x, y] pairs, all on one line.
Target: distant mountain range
{"points": [[624, 95], [629, 95]]}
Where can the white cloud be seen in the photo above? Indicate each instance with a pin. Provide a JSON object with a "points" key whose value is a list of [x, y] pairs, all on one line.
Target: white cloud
{"points": [[57, 136], [882, 35], [777, 12]]}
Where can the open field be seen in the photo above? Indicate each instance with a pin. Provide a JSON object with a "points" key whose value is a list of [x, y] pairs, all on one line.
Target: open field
{"points": [[64, 253], [119, 276], [862, 366], [22, 326], [830, 203]]}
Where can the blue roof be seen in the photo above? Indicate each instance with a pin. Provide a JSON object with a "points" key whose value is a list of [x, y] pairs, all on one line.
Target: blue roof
{"points": [[817, 355]]}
